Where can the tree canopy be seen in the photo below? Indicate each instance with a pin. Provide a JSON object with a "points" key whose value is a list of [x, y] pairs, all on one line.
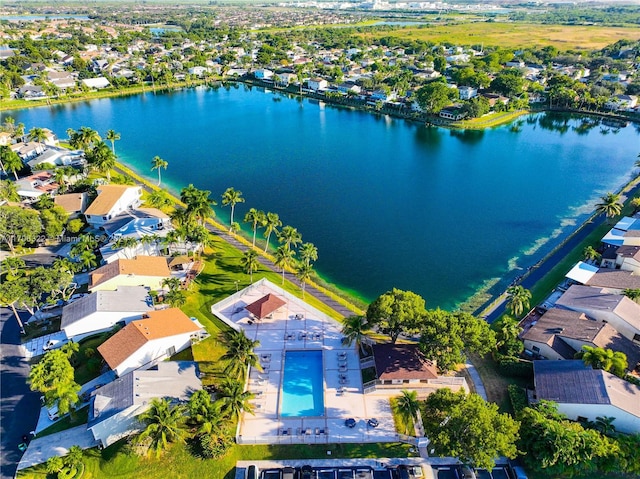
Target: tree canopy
{"points": [[396, 312], [465, 426], [444, 337], [53, 376]]}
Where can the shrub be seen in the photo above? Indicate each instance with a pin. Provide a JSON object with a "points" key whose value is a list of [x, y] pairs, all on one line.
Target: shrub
{"points": [[214, 446], [515, 368], [518, 397]]}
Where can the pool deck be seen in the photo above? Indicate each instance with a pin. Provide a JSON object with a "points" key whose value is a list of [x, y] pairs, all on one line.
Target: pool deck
{"points": [[298, 326]]}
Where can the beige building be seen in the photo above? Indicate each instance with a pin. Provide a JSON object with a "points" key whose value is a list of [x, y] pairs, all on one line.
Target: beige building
{"points": [[148, 271], [111, 201]]}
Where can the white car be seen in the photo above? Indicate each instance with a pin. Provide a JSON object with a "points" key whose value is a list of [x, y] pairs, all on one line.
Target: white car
{"points": [[53, 344]]}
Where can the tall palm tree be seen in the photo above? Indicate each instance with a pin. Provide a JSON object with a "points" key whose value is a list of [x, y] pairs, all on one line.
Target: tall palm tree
{"points": [[304, 274], [127, 243], [234, 398], [112, 136], [232, 197], [239, 353], [257, 218], [353, 329], [610, 205], [158, 199], [605, 359], [199, 203], [308, 253], [102, 158], [408, 404], [10, 160], [88, 260], [250, 263], [87, 137], [289, 236], [38, 135], [518, 299], [284, 257], [163, 424], [204, 414], [271, 225], [158, 163], [509, 330]]}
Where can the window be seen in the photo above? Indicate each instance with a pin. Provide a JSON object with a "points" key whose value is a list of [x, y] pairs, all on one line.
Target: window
{"points": [[636, 338], [535, 349]]}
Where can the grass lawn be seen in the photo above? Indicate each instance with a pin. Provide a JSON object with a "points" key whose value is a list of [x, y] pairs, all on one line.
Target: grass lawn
{"points": [[116, 462], [404, 424], [87, 363], [514, 35], [72, 420]]}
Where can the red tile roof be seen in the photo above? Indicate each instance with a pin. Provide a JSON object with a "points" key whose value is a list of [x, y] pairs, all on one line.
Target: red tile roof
{"points": [[265, 306]]}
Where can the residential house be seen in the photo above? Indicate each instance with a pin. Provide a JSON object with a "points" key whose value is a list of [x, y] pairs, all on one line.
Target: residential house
{"points": [[317, 84], [115, 406], [584, 394], [58, 157], [32, 92], [198, 70], [349, 87], [62, 80], [74, 204], [96, 83], [628, 258], [619, 311], [515, 63], [33, 187], [613, 281], [381, 95], [29, 150], [625, 232], [622, 102], [560, 334], [285, 78], [111, 201], [139, 221], [454, 113], [263, 74], [148, 271], [102, 310], [145, 342], [467, 92], [5, 138]]}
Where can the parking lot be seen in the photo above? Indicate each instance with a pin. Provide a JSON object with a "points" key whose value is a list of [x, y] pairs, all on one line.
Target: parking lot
{"points": [[453, 472]]}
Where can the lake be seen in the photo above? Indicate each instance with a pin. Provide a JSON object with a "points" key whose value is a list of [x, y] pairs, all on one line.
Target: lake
{"points": [[388, 203]]}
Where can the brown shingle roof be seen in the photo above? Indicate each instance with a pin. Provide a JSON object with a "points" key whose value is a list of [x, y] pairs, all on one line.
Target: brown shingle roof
{"points": [[71, 203], [628, 251], [265, 306], [108, 195], [614, 279], [402, 361], [139, 266], [154, 325]]}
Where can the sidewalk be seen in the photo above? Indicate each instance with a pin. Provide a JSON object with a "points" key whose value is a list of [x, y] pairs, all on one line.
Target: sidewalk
{"points": [[477, 380]]}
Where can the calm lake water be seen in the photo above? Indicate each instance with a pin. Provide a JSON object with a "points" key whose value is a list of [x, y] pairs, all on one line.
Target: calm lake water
{"points": [[387, 202]]}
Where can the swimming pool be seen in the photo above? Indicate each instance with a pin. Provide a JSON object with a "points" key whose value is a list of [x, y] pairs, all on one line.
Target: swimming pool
{"points": [[302, 384]]}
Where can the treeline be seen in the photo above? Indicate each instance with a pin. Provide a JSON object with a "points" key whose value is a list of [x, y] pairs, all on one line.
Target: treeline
{"points": [[570, 15]]}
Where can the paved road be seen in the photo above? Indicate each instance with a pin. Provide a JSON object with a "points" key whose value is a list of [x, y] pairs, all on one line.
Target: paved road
{"points": [[19, 407]]}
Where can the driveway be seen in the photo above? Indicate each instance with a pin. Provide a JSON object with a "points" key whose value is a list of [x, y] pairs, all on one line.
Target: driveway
{"points": [[19, 406], [57, 444]]}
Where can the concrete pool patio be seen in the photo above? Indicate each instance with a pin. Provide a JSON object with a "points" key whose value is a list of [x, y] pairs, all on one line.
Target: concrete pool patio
{"points": [[295, 325]]}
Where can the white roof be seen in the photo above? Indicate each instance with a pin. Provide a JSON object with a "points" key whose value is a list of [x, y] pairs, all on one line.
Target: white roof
{"points": [[99, 82], [582, 272]]}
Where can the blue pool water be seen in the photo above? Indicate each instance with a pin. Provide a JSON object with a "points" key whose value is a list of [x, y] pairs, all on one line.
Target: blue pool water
{"points": [[302, 384]]}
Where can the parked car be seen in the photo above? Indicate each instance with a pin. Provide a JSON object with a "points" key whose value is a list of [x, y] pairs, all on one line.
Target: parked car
{"points": [[467, 473], [253, 472], [519, 473], [52, 344]]}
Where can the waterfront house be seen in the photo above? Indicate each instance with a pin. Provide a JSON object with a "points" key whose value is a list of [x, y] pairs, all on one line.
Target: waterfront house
{"points": [[115, 406], [137, 222], [454, 113], [317, 84], [145, 342], [96, 83], [29, 150], [74, 204], [402, 365], [619, 311], [148, 271], [628, 258], [263, 74], [34, 186], [561, 334], [625, 232], [111, 201], [100, 311], [467, 92], [584, 394], [613, 281], [5, 138], [32, 92]]}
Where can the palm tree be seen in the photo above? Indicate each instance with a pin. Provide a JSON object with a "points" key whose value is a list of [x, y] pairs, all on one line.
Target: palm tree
{"points": [[199, 203], [38, 135], [112, 136], [163, 424], [284, 257], [605, 359], [158, 163], [88, 260], [9, 191], [10, 160], [239, 353], [231, 197], [158, 199], [127, 243], [518, 299], [604, 424], [632, 294], [408, 404], [271, 225], [256, 218], [610, 205], [102, 159], [87, 137], [304, 274], [250, 263], [234, 398], [635, 202], [204, 413], [289, 236], [591, 254], [508, 330], [308, 253], [353, 329]]}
